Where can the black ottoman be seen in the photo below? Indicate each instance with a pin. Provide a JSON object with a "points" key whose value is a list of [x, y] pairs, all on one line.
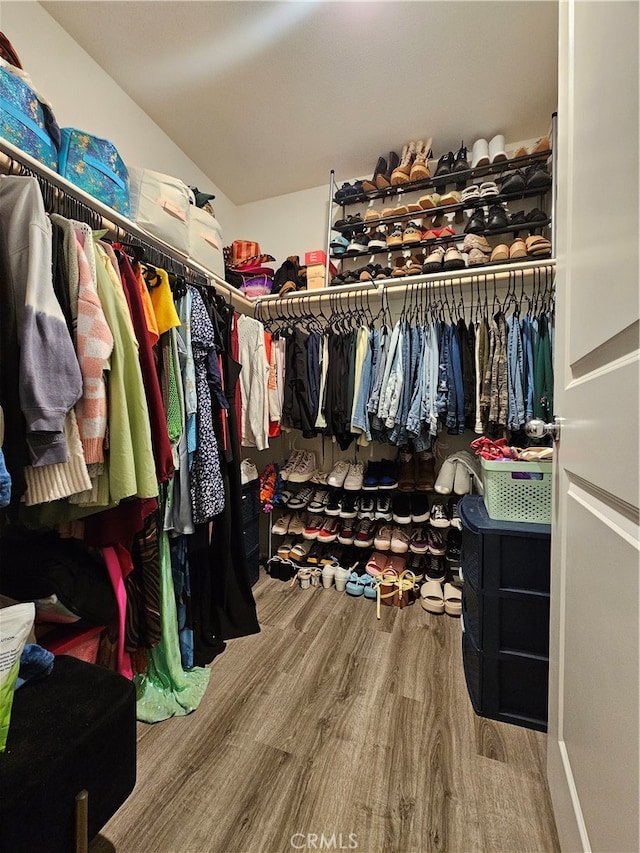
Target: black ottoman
{"points": [[73, 731]]}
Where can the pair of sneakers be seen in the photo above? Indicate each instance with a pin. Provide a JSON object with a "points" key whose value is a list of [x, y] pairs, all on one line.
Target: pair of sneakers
{"points": [[300, 467], [346, 475]]}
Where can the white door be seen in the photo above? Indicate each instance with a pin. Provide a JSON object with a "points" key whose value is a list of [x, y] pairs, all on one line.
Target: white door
{"points": [[593, 749]]}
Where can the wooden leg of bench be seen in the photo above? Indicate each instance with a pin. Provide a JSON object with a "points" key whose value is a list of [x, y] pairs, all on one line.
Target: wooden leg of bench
{"points": [[82, 819]]}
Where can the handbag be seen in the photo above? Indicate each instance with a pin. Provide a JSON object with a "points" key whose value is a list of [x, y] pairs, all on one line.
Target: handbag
{"points": [[205, 240], [23, 120], [160, 205], [94, 165]]}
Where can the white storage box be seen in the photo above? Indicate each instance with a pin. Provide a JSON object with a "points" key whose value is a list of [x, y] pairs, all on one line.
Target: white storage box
{"points": [[160, 205], [205, 240]]}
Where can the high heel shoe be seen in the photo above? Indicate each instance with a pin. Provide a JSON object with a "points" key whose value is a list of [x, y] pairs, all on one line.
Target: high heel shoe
{"points": [[383, 182], [461, 163]]}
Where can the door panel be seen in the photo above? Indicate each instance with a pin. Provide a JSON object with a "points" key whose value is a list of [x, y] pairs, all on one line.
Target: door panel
{"points": [[593, 744]]}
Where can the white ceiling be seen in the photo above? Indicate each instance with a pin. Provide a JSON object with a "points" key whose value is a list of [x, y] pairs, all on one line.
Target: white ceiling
{"points": [[267, 97]]}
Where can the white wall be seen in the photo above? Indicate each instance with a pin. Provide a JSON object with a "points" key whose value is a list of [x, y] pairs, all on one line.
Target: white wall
{"points": [[84, 96]]}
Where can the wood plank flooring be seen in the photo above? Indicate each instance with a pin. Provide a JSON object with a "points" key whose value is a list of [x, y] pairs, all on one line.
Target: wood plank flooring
{"points": [[334, 725]]}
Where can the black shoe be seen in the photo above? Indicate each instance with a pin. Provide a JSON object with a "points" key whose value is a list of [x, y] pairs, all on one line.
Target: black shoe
{"points": [[434, 570], [477, 223], [419, 508], [461, 163], [359, 243], [454, 543], [497, 217], [402, 509], [518, 218], [537, 178], [378, 173], [383, 182], [513, 183], [445, 164], [536, 215], [335, 503]]}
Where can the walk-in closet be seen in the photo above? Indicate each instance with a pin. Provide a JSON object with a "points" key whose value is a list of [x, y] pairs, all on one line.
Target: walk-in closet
{"points": [[319, 489]]}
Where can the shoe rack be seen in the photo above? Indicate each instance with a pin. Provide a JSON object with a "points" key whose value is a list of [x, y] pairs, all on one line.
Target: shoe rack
{"points": [[460, 213]]}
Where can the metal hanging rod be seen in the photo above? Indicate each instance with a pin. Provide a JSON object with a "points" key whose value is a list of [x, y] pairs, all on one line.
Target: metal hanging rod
{"points": [[60, 194], [391, 287]]}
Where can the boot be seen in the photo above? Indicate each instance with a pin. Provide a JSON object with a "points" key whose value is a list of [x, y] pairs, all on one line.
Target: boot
{"points": [[383, 182], [400, 175], [380, 169], [426, 474], [406, 470], [420, 169]]}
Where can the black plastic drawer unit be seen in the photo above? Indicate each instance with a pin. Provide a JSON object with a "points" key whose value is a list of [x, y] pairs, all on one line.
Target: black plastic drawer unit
{"points": [[505, 614]]}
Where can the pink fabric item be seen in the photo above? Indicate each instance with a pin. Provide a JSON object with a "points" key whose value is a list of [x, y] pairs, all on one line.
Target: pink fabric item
{"points": [[94, 344], [117, 580]]}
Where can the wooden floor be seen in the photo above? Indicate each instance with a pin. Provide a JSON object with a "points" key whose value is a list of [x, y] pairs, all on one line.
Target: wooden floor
{"points": [[330, 723]]}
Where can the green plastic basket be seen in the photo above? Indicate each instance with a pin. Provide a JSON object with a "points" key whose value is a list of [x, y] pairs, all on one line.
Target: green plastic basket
{"points": [[517, 491]]}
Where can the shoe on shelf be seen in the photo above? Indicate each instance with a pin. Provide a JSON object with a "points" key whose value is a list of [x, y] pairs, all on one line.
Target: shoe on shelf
{"points": [[480, 153], [453, 260], [513, 184], [476, 241], [328, 575], [347, 532], [297, 524], [400, 174], [290, 464], [377, 239], [305, 467], [454, 545], [437, 541], [388, 474], [280, 526], [419, 508], [444, 480], [329, 531], [417, 565], [284, 549], [406, 469], [419, 541], [445, 165], [477, 223], [383, 182], [411, 234], [439, 515], [365, 533], [433, 261], [313, 557], [461, 163], [300, 550], [476, 258], [497, 154], [425, 467], [371, 478], [451, 197], [399, 541], [334, 504], [359, 243], [420, 168], [353, 478], [435, 569], [489, 190], [349, 505], [401, 508], [382, 511], [372, 214], [471, 193], [454, 513], [497, 217], [537, 177], [301, 499], [394, 237], [537, 245], [499, 253], [338, 474], [382, 539], [319, 501], [366, 507], [517, 250], [536, 215], [313, 526], [428, 202], [378, 172]]}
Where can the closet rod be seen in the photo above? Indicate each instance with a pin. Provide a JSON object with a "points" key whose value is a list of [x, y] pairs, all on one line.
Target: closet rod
{"points": [[11, 161], [389, 286]]}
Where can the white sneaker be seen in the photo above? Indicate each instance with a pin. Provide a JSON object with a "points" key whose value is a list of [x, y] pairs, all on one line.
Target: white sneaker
{"points": [[355, 475], [304, 468], [338, 475]]}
